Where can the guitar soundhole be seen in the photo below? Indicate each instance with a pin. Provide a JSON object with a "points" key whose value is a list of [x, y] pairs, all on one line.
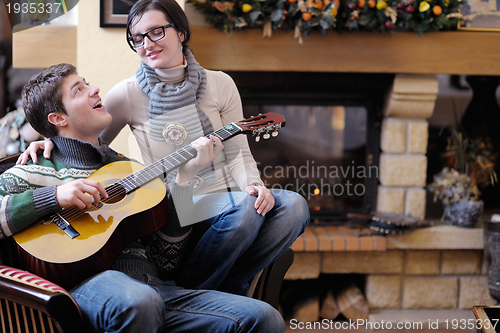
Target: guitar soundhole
{"points": [[116, 194]]}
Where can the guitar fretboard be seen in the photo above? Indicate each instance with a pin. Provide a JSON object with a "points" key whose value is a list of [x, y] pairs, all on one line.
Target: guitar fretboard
{"points": [[172, 161]]}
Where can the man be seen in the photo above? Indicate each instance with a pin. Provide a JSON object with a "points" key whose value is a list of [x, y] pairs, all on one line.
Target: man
{"points": [[60, 105]]}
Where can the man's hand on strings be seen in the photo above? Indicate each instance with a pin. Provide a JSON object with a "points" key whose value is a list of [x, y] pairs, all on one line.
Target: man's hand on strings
{"points": [[79, 193]]}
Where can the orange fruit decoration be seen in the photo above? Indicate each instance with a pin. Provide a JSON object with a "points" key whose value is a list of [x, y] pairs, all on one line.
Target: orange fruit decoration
{"points": [[372, 3], [437, 10], [306, 16], [361, 3]]}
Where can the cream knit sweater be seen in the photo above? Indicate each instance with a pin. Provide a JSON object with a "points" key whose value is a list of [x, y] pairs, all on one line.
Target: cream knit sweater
{"points": [[128, 104]]}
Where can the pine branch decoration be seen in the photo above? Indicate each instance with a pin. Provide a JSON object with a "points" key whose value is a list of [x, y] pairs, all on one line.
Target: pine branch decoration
{"points": [[419, 16]]}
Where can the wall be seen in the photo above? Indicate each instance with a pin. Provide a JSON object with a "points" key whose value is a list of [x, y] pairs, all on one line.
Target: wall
{"points": [[103, 56]]}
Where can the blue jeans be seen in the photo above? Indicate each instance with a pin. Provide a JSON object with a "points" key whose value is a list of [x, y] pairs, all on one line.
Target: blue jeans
{"points": [[115, 302], [237, 243]]}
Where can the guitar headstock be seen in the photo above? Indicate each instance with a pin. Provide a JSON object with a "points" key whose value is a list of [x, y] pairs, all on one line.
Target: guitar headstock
{"points": [[266, 125]]}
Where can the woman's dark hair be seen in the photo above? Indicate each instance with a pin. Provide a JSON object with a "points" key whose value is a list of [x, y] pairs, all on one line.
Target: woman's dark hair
{"points": [[42, 95], [173, 12]]}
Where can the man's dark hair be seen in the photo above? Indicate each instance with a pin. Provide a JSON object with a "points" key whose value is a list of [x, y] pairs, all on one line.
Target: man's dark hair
{"points": [[173, 12], [42, 95]]}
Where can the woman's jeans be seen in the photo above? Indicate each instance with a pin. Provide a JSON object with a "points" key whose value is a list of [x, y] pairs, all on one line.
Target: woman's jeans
{"points": [[237, 243]]}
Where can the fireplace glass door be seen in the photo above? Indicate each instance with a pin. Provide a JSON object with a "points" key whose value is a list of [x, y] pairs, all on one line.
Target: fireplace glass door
{"points": [[326, 153]]}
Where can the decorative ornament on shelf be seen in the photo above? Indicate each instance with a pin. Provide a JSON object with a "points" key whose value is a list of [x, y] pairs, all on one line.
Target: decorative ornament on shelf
{"points": [[470, 167], [305, 16], [15, 132]]}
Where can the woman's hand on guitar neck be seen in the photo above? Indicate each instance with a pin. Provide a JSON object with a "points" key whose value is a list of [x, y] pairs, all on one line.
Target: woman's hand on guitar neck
{"points": [[207, 151], [80, 193], [32, 150]]}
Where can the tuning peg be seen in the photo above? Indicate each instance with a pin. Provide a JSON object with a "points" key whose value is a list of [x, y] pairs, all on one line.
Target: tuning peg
{"points": [[274, 134], [266, 136], [257, 138]]}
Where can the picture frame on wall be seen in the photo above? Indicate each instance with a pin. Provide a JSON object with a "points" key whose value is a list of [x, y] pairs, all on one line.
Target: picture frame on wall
{"points": [[113, 13], [481, 15]]}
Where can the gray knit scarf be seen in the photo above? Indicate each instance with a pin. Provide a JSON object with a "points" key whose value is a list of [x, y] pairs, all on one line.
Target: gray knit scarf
{"points": [[174, 113]]}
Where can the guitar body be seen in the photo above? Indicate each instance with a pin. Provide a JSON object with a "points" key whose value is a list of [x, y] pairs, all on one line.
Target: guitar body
{"points": [[44, 249]]}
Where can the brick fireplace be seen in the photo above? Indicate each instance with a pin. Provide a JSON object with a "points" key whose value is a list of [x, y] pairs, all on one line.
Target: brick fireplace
{"points": [[439, 268], [431, 273], [404, 276]]}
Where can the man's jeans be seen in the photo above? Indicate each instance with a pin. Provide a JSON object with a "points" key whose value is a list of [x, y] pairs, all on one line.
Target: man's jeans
{"points": [[233, 246], [237, 243], [114, 302]]}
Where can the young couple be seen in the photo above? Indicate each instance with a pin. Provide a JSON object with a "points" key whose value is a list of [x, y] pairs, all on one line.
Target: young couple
{"points": [[236, 226]]}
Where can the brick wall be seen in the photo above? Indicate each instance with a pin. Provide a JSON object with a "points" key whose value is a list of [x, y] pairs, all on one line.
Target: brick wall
{"points": [[440, 267], [429, 279]]}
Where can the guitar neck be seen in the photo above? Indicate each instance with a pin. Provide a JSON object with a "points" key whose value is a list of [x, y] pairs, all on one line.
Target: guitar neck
{"points": [[172, 161]]}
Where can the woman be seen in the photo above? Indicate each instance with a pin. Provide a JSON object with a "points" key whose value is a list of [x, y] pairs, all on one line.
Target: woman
{"points": [[171, 102]]}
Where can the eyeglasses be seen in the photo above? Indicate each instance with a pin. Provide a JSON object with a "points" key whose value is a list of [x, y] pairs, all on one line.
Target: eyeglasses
{"points": [[153, 35]]}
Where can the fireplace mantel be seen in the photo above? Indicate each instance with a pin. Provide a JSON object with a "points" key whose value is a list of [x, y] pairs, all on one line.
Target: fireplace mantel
{"points": [[453, 52]]}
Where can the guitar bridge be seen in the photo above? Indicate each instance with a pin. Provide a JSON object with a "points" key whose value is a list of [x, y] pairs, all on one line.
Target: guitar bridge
{"points": [[65, 226]]}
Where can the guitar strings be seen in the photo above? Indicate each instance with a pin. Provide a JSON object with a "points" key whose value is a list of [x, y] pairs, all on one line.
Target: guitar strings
{"points": [[72, 213]]}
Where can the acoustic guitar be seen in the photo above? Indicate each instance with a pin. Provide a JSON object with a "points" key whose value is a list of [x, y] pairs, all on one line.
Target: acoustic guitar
{"points": [[73, 245]]}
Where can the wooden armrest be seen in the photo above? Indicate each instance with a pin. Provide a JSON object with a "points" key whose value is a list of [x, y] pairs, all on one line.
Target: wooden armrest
{"points": [[31, 291]]}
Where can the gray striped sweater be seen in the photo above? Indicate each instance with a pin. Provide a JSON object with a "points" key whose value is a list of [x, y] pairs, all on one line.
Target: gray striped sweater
{"points": [[28, 192]]}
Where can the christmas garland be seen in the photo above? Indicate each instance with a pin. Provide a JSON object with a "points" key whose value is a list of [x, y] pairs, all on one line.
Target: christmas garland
{"points": [[305, 16]]}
